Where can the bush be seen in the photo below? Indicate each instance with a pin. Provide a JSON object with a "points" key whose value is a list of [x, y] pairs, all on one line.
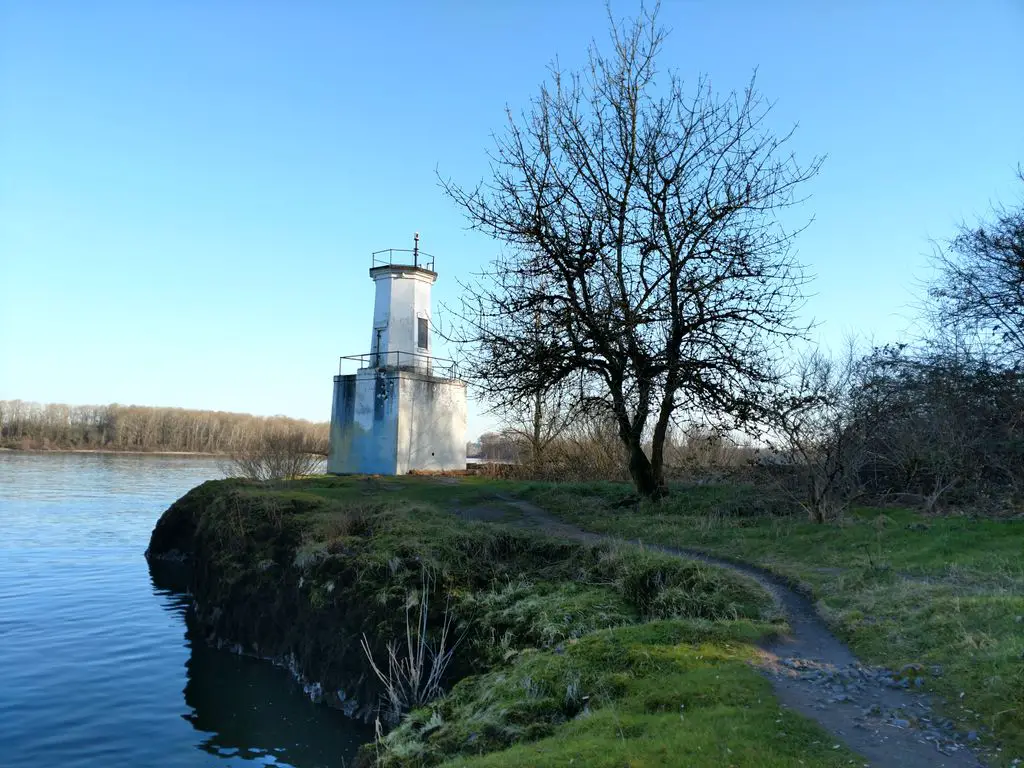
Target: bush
{"points": [[280, 455]]}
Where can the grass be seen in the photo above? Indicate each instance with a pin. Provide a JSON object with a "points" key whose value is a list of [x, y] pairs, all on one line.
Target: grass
{"points": [[945, 593], [570, 653], [670, 692]]}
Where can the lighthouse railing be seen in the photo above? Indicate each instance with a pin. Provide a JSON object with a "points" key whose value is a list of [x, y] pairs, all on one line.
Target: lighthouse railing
{"points": [[396, 360], [399, 257]]}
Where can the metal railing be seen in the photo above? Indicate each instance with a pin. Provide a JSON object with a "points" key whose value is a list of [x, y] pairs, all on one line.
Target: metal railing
{"points": [[397, 360], [395, 257]]}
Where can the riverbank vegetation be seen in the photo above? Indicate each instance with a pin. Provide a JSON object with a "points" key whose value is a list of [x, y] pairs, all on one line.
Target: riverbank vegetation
{"points": [[55, 426], [565, 651], [944, 593]]}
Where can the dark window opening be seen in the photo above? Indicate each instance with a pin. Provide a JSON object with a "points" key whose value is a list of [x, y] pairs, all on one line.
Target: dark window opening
{"points": [[422, 332]]}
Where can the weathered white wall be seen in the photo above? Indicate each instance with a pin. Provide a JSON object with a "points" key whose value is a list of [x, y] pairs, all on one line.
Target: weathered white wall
{"points": [[431, 423], [396, 421], [342, 415], [401, 297], [364, 424]]}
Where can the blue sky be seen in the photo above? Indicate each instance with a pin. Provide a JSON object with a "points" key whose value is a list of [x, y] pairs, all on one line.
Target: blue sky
{"points": [[190, 191]]}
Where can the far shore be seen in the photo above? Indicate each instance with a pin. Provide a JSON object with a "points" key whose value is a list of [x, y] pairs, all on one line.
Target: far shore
{"points": [[112, 450]]}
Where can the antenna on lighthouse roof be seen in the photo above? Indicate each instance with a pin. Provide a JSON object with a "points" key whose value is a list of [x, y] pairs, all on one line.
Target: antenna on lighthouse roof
{"points": [[416, 249]]}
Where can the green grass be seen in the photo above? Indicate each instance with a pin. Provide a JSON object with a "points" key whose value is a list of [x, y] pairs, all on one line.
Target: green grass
{"points": [[902, 588], [666, 693], [946, 593], [570, 653]]}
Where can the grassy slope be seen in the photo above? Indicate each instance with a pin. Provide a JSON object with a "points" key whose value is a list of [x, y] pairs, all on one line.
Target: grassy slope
{"points": [[664, 693], [902, 588], [602, 656]]}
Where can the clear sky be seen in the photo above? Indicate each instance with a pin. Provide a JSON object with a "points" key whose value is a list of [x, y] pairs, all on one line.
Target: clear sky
{"points": [[190, 190]]}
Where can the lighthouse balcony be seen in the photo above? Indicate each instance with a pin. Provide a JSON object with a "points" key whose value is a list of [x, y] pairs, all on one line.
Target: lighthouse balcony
{"points": [[397, 360], [399, 257]]}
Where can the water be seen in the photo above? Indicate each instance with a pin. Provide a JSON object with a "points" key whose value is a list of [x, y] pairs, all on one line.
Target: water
{"points": [[96, 667]]}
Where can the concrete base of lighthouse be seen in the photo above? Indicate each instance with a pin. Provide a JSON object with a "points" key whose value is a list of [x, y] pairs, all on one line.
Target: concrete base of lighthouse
{"points": [[390, 422]]}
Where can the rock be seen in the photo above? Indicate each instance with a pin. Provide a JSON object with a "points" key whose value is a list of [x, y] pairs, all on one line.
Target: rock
{"points": [[899, 722]]}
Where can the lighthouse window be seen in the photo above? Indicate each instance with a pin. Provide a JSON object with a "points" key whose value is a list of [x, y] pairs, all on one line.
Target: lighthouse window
{"points": [[422, 332]]}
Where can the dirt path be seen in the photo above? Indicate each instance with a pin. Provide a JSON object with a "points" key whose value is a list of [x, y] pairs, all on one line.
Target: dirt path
{"points": [[876, 713]]}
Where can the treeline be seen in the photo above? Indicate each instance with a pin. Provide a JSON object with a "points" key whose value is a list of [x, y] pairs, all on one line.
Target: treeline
{"points": [[931, 425], [589, 449], [55, 426]]}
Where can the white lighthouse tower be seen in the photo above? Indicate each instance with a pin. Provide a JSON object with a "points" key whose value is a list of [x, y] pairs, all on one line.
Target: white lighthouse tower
{"points": [[403, 409]]}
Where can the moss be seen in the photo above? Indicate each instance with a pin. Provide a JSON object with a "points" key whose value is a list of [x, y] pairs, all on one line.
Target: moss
{"points": [[901, 587], [596, 647], [637, 695]]}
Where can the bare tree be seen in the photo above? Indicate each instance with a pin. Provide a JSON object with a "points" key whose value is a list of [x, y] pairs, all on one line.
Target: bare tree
{"points": [[644, 256], [951, 424], [703, 451], [822, 427], [541, 422], [980, 283]]}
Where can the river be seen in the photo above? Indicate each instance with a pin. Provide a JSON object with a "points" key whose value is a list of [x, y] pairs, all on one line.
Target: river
{"points": [[96, 665]]}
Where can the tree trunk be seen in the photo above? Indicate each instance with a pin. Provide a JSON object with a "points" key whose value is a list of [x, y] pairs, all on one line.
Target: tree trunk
{"points": [[646, 477], [537, 425]]}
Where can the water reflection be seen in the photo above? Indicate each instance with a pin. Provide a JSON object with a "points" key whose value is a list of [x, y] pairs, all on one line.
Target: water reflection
{"points": [[98, 668], [248, 710]]}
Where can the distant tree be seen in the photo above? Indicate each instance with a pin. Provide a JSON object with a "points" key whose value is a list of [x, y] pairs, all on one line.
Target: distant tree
{"points": [[138, 428], [645, 253], [980, 282], [538, 423], [823, 425], [952, 423], [498, 446]]}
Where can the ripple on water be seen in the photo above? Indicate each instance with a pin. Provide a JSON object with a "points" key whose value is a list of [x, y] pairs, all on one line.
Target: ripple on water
{"points": [[97, 668]]}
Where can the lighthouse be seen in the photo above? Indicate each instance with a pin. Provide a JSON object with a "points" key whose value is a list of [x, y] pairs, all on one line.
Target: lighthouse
{"points": [[403, 409]]}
